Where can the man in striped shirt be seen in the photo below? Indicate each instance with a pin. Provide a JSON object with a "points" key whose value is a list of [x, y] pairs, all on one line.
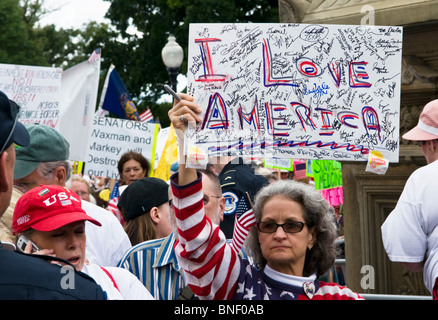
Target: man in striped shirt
{"points": [[154, 262]]}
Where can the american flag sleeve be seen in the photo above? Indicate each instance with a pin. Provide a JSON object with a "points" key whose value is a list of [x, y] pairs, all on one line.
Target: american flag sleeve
{"points": [[211, 267]]}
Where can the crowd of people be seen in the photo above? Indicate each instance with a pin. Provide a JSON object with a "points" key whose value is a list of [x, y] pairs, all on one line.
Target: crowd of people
{"points": [[175, 239]]}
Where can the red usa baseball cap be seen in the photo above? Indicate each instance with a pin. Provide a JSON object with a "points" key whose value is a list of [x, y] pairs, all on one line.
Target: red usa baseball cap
{"points": [[47, 208], [427, 127]]}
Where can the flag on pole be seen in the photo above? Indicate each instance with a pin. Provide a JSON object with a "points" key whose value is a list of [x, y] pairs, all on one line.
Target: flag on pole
{"points": [[147, 116], [115, 97], [94, 55], [101, 113], [113, 201], [245, 219], [168, 156]]}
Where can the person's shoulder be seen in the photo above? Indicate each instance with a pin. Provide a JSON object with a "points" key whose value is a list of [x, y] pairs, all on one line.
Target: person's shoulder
{"points": [[423, 178]]}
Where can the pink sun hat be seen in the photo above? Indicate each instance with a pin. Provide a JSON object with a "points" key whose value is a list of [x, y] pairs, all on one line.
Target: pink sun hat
{"points": [[427, 127]]}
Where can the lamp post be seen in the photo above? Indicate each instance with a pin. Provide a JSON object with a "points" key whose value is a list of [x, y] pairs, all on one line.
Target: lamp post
{"points": [[173, 56]]}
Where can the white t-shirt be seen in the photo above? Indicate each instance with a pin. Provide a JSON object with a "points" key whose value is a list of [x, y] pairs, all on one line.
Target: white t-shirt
{"points": [[128, 285], [107, 244], [410, 232]]}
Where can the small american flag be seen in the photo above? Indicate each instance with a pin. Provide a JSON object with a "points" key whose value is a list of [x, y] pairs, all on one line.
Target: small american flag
{"points": [[112, 203], [146, 116], [300, 169], [245, 219], [94, 55]]}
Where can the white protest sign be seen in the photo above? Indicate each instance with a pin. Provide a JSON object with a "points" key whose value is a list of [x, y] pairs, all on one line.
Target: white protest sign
{"points": [[296, 90], [37, 90], [110, 138]]}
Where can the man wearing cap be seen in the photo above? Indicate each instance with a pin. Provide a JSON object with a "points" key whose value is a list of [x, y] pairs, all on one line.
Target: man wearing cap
{"points": [[24, 276], [144, 206], [44, 161], [410, 233], [154, 262]]}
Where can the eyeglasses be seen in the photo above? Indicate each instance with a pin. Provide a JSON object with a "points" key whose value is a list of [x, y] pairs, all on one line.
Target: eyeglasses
{"points": [[17, 109], [288, 227], [205, 199]]}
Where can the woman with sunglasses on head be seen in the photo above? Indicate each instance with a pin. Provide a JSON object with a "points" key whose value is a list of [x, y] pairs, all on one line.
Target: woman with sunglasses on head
{"points": [[292, 243]]}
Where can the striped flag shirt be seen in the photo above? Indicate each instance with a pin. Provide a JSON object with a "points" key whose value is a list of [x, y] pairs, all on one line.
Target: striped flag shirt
{"points": [[211, 267], [154, 263]]}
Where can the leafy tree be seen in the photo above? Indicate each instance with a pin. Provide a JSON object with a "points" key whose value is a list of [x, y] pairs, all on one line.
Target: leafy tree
{"points": [[16, 43]]}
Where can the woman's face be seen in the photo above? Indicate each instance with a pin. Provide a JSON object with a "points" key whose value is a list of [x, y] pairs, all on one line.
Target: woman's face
{"points": [[285, 252], [67, 242], [132, 170]]}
